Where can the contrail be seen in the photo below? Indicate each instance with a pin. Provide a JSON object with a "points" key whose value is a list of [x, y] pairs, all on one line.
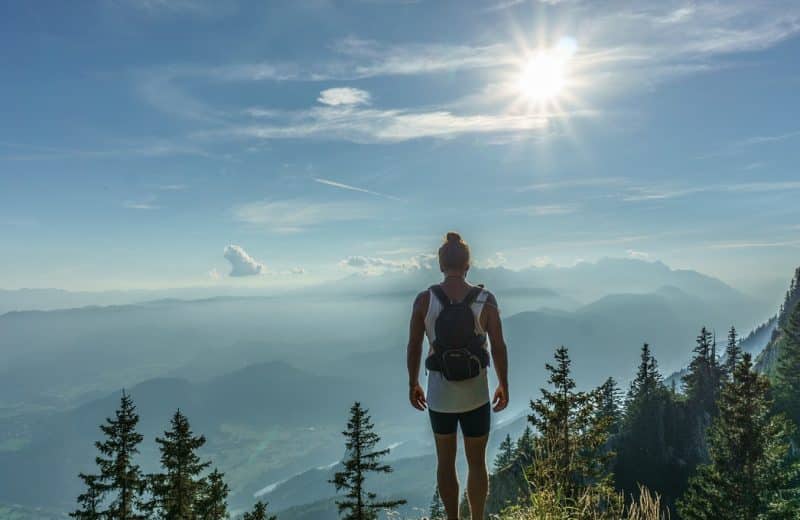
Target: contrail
{"points": [[355, 188]]}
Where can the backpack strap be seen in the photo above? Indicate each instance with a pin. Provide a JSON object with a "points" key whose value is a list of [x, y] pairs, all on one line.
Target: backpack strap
{"points": [[440, 295], [472, 295], [468, 300]]}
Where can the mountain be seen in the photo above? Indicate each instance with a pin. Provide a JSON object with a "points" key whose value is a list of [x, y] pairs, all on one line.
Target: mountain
{"points": [[273, 403]]}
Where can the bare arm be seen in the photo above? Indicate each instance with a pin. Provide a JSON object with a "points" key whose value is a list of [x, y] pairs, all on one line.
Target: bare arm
{"points": [[416, 334], [494, 328]]}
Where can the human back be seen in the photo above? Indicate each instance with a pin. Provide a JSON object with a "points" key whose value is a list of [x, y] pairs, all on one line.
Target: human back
{"points": [[462, 324]]}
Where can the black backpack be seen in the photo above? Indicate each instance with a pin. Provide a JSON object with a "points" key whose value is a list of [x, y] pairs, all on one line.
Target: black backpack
{"points": [[458, 352]]}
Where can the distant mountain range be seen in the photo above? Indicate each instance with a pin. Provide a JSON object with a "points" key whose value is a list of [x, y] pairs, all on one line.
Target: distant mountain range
{"points": [[269, 378]]}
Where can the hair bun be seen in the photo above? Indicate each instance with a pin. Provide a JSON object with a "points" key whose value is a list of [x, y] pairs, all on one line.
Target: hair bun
{"points": [[452, 236]]}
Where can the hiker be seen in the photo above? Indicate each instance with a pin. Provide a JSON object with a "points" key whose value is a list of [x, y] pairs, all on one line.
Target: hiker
{"points": [[457, 318]]}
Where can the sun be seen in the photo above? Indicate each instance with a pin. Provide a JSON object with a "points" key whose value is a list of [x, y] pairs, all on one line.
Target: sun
{"points": [[543, 75]]}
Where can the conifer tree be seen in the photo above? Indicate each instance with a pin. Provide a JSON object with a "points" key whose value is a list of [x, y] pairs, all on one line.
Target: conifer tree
{"points": [[733, 352], [120, 485], [212, 503], [569, 455], [650, 441], [90, 501], [436, 510], [358, 503], [505, 453], [524, 446], [791, 300], [787, 372], [702, 382], [647, 379], [259, 512], [609, 408], [749, 474], [178, 490]]}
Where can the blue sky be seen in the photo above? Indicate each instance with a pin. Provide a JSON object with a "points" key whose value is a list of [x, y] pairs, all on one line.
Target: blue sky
{"points": [[141, 138]]}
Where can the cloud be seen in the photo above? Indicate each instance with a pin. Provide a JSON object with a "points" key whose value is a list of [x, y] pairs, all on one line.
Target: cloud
{"points": [[367, 125], [373, 265], [496, 260], [755, 245], [214, 274], [146, 204], [638, 255], [544, 210], [242, 264], [291, 216], [343, 186], [344, 96], [572, 183], [542, 261], [646, 193]]}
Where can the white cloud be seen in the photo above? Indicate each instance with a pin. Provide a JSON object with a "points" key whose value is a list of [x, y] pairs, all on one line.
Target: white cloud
{"points": [[498, 259], [544, 210], [542, 261], [373, 265], [290, 216], [214, 274], [638, 255], [572, 183], [344, 96], [146, 204], [367, 125], [242, 264]]}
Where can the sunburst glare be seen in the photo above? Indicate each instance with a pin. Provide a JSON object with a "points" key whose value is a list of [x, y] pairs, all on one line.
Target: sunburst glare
{"points": [[543, 75]]}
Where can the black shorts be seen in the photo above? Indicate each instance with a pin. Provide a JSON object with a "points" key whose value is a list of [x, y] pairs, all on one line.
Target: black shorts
{"points": [[474, 423]]}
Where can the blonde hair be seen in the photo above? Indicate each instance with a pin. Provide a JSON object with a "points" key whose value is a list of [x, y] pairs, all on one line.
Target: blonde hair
{"points": [[453, 253]]}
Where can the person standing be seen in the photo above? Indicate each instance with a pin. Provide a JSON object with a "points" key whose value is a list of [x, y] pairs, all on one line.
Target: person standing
{"points": [[463, 327]]}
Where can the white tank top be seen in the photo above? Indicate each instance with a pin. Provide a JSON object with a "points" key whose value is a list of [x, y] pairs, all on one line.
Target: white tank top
{"points": [[455, 396]]}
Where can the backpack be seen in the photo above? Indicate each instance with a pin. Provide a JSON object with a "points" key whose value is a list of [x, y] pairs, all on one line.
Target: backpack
{"points": [[458, 351]]}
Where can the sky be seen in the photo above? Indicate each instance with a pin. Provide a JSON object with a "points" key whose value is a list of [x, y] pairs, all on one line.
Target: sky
{"points": [[173, 143]]}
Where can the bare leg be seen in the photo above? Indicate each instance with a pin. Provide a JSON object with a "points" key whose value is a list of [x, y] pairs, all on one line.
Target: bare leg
{"points": [[478, 477], [446, 476]]}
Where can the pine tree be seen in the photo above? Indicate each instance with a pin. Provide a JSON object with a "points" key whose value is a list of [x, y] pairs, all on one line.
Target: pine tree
{"points": [[505, 453], [733, 352], [569, 454], [787, 373], [610, 409], [90, 501], [524, 447], [749, 474], [120, 483], [703, 380], [436, 511], [647, 379], [212, 502], [259, 512], [650, 441], [178, 490], [360, 504], [791, 300]]}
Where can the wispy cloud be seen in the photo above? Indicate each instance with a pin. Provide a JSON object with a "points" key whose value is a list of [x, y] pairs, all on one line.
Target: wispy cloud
{"points": [[147, 203], [544, 210], [589, 182], [647, 193], [762, 139], [343, 186], [291, 216], [344, 96], [369, 125], [754, 244]]}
